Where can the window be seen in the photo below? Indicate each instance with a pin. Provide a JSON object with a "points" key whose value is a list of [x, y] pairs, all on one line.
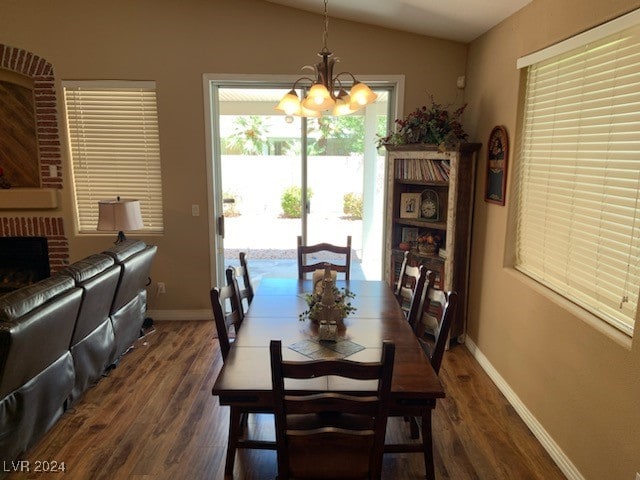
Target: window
{"points": [[578, 179], [113, 136]]}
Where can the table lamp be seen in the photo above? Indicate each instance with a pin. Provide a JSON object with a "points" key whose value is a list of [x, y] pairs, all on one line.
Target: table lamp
{"points": [[119, 215]]}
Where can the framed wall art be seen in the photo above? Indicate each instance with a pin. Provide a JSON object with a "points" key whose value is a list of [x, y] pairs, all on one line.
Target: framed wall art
{"points": [[410, 205], [497, 156]]}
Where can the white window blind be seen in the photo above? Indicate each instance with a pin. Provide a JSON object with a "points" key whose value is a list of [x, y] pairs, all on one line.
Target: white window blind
{"points": [[578, 229], [113, 134]]}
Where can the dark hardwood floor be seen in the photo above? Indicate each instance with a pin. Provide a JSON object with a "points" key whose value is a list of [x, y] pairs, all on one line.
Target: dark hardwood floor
{"points": [[153, 417]]}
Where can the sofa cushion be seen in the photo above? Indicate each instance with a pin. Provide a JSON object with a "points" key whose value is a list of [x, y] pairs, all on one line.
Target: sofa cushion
{"points": [[127, 322], [98, 276], [89, 267], [91, 356], [121, 251], [31, 410], [15, 304], [134, 277], [32, 342]]}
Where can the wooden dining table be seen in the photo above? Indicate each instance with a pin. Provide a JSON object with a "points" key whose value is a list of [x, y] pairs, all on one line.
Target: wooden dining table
{"points": [[245, 378]]}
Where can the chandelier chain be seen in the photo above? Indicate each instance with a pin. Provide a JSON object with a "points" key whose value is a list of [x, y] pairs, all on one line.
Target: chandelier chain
{"points": [[322, 93], [325, 34]]}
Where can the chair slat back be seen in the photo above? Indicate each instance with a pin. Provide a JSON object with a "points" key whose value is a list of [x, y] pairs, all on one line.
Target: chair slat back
{"points": [[441, 305], [304, 250], [329, 434], [243, 271], [409, 288], [226, 314], [239, 277]]}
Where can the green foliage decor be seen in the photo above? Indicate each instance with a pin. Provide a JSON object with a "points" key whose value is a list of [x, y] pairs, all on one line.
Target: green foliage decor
{"points": [[342, 304], [433, 124], [352, 205], [291, 201]]}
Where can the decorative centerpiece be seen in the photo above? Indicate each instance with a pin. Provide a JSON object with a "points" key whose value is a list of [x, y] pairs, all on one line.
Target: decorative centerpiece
{"points": [[328, 303], [434, 125]]}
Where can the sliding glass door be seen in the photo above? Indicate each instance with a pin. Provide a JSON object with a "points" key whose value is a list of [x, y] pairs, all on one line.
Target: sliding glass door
{"points": [[275, 177]]}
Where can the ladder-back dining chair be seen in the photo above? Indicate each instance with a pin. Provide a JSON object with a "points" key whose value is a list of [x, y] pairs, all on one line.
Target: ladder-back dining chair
{"points": [[330, 435], [411, 279], [227, 314], [239, 276], [320, 250], [409, 289], [440, 306], [435, 307]]}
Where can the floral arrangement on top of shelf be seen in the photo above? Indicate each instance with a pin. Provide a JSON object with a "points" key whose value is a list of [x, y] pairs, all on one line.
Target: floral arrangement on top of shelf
{"points": [[432, 125]]}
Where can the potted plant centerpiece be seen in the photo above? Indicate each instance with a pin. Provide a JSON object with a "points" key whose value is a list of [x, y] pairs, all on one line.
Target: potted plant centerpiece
{"points": [[328, 302], [432, 125]]}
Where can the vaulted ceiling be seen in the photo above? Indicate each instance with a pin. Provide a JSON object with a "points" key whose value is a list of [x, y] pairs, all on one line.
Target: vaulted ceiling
{"points": [[460, 20]]}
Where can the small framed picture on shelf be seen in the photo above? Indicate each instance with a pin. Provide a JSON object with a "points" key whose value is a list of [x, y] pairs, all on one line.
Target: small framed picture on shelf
{"points": [[410, 205], [409, 234]]}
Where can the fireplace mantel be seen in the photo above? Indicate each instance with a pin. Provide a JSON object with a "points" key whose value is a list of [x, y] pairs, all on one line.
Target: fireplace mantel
{"points": [[28, 198]]}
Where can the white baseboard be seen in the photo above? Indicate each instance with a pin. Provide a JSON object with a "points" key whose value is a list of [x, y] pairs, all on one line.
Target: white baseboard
{"points": [[161, 315], [552, 448]]}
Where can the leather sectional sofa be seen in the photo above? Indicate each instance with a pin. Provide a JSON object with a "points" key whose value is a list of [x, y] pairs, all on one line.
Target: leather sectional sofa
{"points": [[59, 336]]}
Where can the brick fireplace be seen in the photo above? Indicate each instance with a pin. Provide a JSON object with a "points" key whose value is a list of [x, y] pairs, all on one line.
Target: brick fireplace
{"points": [[50, 228], [32, 224]]}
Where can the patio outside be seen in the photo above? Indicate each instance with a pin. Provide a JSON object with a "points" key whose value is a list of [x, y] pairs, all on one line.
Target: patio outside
{"points": [[261, 165], [256, 221]]}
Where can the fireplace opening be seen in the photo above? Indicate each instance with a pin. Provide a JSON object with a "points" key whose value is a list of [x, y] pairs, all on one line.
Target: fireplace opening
{"points": [[23, 261]]}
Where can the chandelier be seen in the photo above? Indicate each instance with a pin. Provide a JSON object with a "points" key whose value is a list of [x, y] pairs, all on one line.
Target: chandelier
{"points": [[327, 91]]}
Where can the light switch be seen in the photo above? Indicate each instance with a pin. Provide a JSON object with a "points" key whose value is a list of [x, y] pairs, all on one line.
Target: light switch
{"points": [[195, 210]]}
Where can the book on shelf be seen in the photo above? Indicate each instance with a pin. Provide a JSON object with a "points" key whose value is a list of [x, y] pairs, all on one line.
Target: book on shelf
{"points": [[422, 169], [442, 253]]}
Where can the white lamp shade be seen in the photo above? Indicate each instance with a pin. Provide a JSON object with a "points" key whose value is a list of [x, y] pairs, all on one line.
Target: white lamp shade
{"points": [[290, 104], [119, 215], [318, 98], [361, 95], [343, 104]]}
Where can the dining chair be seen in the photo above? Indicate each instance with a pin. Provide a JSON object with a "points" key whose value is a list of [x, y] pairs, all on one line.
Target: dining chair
{"points": [[326, 434], [439, 306], [408, 292], [305, 267], [227, 313], [228, 316], [410, 280], [239, 276]]}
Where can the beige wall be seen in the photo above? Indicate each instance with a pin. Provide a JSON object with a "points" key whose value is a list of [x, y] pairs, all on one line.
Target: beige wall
{"points": [[175, 43], [582, 386]]}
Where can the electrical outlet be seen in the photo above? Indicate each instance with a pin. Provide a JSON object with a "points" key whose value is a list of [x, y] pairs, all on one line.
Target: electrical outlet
{"points": [[161, 288]]}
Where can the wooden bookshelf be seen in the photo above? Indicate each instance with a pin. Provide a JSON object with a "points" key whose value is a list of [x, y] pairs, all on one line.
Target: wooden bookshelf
{"points": [[450, 175]]}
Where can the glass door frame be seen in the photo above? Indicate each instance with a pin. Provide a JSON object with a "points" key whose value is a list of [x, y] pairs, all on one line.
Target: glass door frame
{"points": [[211, 84]]}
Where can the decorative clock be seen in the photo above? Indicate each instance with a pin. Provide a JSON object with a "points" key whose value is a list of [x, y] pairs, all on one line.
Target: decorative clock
{"points": [[430, 205]]}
